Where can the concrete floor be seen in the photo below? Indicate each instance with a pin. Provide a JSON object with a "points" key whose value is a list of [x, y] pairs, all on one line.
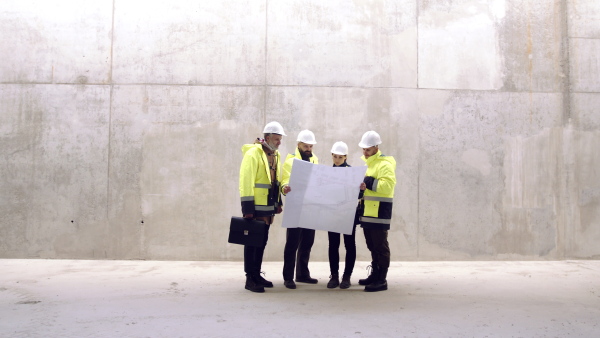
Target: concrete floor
{"points": [[74, 298]]}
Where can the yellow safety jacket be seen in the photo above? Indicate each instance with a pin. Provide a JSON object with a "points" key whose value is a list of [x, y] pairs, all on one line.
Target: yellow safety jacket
{"points": [[287, 166], [259, 192], [378, 200]]}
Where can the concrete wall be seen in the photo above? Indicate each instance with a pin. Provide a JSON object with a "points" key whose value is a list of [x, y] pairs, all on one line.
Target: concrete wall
{"points": [[121, 122]]}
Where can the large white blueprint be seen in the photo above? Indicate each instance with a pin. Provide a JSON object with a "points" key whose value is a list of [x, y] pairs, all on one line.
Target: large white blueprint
{"points": [[322, 197]]}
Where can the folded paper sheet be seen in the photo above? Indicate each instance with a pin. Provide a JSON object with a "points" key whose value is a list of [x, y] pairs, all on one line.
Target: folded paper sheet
{"points": [[322, 197]]}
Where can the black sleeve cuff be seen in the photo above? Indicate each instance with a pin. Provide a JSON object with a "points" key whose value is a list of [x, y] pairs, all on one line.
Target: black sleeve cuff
{"points": [[369, 182], [247, 207]]}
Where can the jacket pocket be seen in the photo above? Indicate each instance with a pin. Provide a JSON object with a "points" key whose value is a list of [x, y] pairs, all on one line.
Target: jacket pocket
{"points": [[371, 208], [261, 196]]}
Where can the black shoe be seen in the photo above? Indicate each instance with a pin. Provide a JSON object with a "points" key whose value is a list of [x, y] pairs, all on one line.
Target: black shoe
{"points": [[345, 282], [308, 280], [289, 284], [372, 277], [334, 281], [379, 285], [265, 283], [252, 285]]}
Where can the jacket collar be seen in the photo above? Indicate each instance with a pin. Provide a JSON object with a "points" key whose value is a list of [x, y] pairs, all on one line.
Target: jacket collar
{"points": [[373, 158], [299, 156]]}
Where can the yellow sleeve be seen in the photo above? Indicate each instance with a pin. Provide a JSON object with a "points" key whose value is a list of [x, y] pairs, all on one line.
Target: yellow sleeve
{"points": [[386, 179], [287, 171], [248, 171]]}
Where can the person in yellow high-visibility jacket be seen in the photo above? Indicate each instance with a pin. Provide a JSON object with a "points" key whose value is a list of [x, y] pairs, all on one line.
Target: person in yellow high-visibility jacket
{"points": [[299, 241], [260, 196], [377, 202]]}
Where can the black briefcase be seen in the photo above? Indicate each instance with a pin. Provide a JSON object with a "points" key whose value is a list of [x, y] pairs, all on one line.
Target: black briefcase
{"points": [[246, 231]]}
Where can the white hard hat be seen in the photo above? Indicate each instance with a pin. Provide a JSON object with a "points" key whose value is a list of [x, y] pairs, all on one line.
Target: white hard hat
{"points": [[273, 128], [307, 136], [370, 139], [340, 148]]}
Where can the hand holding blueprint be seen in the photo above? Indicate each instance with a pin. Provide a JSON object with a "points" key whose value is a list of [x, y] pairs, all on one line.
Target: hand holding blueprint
{"points": [[322, 197]]}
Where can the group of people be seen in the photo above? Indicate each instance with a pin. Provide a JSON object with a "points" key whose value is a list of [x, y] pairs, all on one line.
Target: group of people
{"points": [[262, 185]]}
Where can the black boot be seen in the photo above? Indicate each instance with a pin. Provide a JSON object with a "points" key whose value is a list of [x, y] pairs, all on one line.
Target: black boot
{"points": [[345, 282], [262, 281], [380, 284], [307, 279], [372, 277], [289, 283], [253, 285], [334, 281]]}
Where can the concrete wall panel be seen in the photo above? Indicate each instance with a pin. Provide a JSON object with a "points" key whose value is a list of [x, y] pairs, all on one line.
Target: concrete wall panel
{"points": [[488, 173], [586, 111], [584, 157], [453, 30], [513, 45], [530, 37], [582, 164], [185, 42], [584, 19], [174, 167], [66, 41], [341, 43], [585, 70], [586, 232], [54, 175]]}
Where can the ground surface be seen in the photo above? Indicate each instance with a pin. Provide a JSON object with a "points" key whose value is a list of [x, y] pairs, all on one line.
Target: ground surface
{"points": [[74, 298]]}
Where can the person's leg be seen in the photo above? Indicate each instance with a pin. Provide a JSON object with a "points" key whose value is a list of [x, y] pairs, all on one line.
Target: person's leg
{"points": [[381, 249], [252, 283], [260, 251], [370, 246], [307, 240], [334, 259], [369, 240], [350, 244], [289, 252], [334, 252], [249, 259]]}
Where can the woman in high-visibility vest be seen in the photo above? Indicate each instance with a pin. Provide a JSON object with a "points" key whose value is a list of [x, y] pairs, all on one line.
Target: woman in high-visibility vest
{"points": [[339, 154]]}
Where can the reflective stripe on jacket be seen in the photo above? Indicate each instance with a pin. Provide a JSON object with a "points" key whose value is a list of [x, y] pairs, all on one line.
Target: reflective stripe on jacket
{"points": [[378, 201], [255, 182], [287, 166]]}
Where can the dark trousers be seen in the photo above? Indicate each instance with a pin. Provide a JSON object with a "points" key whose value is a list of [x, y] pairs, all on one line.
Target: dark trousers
{"points": [[378, 244], [300, 241], [334, 254], [253, 256]]}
